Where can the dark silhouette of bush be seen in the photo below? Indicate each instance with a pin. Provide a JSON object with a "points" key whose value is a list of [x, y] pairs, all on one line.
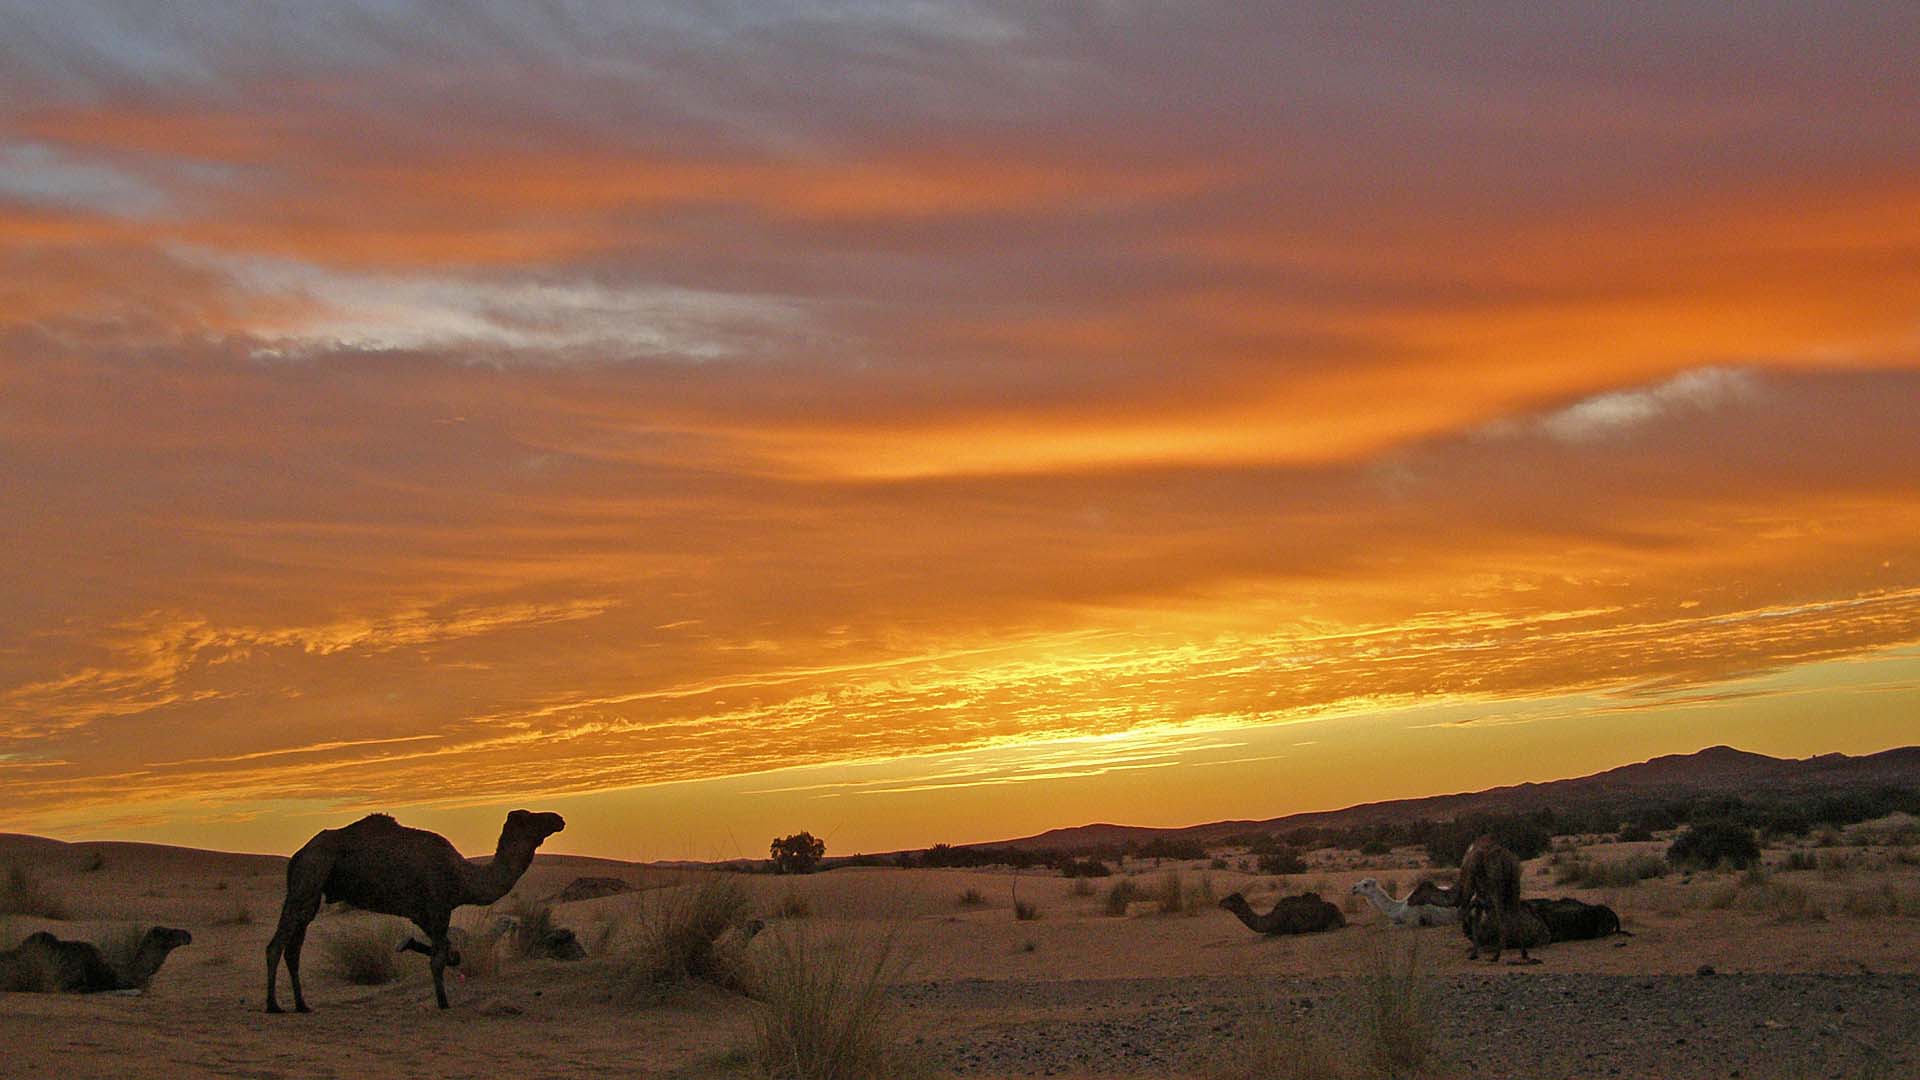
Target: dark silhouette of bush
{"points": [[1635, 833], [797, 854], [1525, 836], [1282, 861], [1085, 868], [1376, 847], [1712, 843]]}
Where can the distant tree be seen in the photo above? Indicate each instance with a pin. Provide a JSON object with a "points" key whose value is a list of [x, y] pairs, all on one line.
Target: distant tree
{"points": [[1522, 835], [797, 854], [1711, 843], [1282, 861]]}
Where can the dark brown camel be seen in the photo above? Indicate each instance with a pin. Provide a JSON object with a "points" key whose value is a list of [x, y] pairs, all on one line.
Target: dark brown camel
{"points": [[1303, 914], [44, 963], [1491, 872], [377, 864], [1429, 894], [1524, 927]]}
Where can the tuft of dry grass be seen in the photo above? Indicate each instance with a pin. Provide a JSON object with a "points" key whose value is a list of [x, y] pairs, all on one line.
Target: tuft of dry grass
{"points": [[366, 952], [1025, 910], [1171, 898], [972, 898], [1881, 901], [524, 926], [1081, 887], [1120, 896], [1396, 1005], [1283, 1050], [680, 937], [1610, 873], [23, 892], [823, 1011], [235, 914]]}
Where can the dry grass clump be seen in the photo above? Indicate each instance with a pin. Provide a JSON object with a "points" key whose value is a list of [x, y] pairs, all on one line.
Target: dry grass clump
{"points": [[823, 1012], [793, 906], [365, 953], [1800, 860], [1837, 865], [1122, 894], [1081, 887], [235, 914], [524, 925], [1172, 895], [680, 937], [1622, 873], [1025, 910], [1396, 1005], [22, 892], [972, 898], [1881, 901]]}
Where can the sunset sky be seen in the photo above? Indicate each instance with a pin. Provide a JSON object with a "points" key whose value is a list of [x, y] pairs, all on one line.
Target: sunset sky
{"points": [[924, 422]]}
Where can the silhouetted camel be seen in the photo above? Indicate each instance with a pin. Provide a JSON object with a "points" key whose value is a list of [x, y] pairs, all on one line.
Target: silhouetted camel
{"points": [[1524, 928], [44, 963], [377, 864], [1491, 872], [1568, 919], [1303, 914], [1430, 894]]}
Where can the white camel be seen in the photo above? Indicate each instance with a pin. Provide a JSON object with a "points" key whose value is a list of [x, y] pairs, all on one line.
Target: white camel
{"points": [[1401, 913]]}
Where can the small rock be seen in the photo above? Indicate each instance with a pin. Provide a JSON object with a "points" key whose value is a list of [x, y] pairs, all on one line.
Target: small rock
{"points": [[1705, 970]]}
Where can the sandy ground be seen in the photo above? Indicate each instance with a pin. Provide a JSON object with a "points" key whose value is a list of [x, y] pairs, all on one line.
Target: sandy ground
{"points": [[1074, 991]]}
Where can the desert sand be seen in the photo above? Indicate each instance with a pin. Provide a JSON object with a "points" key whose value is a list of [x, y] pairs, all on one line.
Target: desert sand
{"points": [[1805, 979]]}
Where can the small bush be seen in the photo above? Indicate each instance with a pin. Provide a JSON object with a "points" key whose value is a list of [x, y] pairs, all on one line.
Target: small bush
{"points": [[1800, 860], [1282, 862], [22, 892], [94, 861], [1172, 897], [680, 937], [1217, 864], [1835, 865], [1712, 843], [1635, 833], [1025, 911], [823, 1012], [365, 953], [793, 906], [1397, 1009], [972, 898], [1081, 887], [1376, 847], [1088, 867], [1123, 893]]}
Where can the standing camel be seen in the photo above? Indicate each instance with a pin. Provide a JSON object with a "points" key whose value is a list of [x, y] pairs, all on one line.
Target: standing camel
{"points": [[377, 864], [1490, 872]]}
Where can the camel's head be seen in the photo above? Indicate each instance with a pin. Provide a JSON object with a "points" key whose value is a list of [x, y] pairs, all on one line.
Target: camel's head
{"points": [[533, 825], [1364, 886], [1234, 902]]}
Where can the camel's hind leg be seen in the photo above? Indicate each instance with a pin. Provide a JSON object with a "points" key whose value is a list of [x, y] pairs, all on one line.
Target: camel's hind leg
{"points": [[442, 955], [306, 879]]}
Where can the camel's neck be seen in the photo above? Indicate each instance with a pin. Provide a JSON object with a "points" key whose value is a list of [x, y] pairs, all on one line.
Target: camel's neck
{"points": [[486, 884], [1380, 899], [145, 962], [1245, 914]]}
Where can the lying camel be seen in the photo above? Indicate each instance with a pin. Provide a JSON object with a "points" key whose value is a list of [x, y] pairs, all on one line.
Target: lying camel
{"points": [[1429, 894], [1568, 919], [1404, 912], [45, 964], [1303, 914]]}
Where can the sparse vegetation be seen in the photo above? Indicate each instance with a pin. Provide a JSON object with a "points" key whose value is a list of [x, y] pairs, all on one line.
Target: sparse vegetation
{"points": [[1282, 862], [793, 906], [1081, 887], [823, 1012], [1396, 1009], [365, 953], [22, 892], [95, 860], [679, 937], [528, 923], [235, 914], [1172, 896], [972, 898], [1025, 910], [1714, 843], [1609, 873], [1123, 893]]}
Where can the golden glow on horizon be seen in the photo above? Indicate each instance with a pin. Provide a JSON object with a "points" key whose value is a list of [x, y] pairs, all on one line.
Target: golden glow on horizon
{"points": [[365, 447]]}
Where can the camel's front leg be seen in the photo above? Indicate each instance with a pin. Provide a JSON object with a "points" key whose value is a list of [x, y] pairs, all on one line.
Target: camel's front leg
{"points": [[442, 952]]}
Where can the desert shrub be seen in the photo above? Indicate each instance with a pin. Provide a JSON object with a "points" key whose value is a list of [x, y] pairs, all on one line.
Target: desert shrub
{"points": [[365, 952], [1167, 847], [1282, 861], [1123, 893], [524, 925], [96, 860], [1907, 856], [1397, 1009], [1882, 900], [1025, 910], [1088, 867], [679, 937], [1800, 860], [793, 906], [22, 892], [1376, 847], [1835, 865], [1712, 843], [1634, 833], [1081, 887], [822, 1012], [1217, 864], [1172, 895], [972, 898], [1828, 837], [235, 914], [1200, 895], [1277, 1049]]}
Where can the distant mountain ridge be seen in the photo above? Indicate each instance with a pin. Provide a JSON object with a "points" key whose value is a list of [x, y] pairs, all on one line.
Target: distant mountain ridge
{"points": [[1716, 770]]}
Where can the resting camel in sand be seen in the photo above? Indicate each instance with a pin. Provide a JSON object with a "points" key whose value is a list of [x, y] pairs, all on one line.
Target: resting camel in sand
{"points": [[45, 964], [1524, 928], [1404, 912], [1303, 914], [1489, 872], [377, 864]]}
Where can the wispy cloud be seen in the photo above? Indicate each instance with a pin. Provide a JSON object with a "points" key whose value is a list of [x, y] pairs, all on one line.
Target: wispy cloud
{"points": [[1612, 414]]}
